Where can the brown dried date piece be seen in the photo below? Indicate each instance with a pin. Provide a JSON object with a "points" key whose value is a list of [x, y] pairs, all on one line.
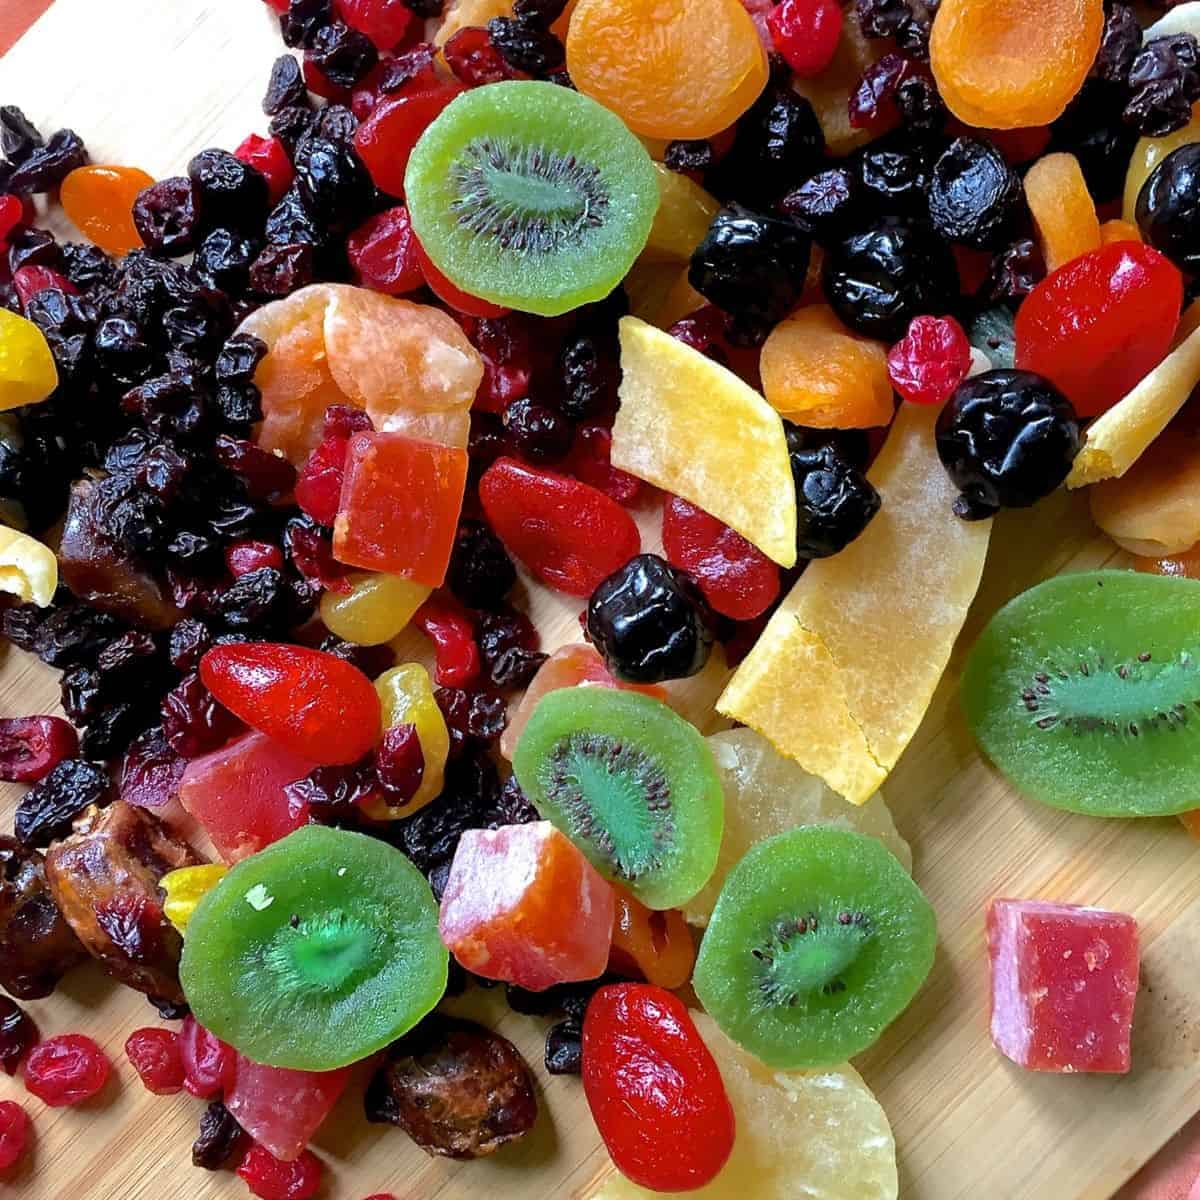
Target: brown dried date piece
{"points": [[455, 1088]]}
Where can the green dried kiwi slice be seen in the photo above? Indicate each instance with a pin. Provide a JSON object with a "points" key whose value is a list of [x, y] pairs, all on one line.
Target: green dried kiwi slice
{"points": [[1085, 692], [819, 940], [632, 784], [531, 195], [315, 952]]}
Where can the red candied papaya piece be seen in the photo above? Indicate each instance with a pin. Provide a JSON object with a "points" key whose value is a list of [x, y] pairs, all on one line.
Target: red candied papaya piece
{"points": [[281, 1108]]}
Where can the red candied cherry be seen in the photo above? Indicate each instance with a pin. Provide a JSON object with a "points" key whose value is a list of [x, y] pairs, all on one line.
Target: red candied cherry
{"points": [[243, 557], [31, 747], [385, 22], [930, 360], [65, 1070], [386, 138], [400, 761], [453, 296], [383, 253], [14, 1133], [473, 58], [269, 157], [157, 1058], [319, 486], [806, 33], [271, 1179], [590, 461], [12, 215], [30, 280], [280, 6], [208, 1063], [450, 627]]}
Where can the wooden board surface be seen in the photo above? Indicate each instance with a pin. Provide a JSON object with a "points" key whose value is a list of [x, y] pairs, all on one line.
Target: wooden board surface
{"points": [[149, 82]]}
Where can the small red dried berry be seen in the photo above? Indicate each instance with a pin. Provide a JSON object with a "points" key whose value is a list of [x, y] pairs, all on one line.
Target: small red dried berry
{"points": [[930, 361], [31, 747], [319, 487], [30, 280], [14, 1133], [208, 1063], [385, 22], [18, 1034], [590, 461], [473, 58], [269, 157], [65, 1070], [270, 1179], [806, 33], [400, 761], [449, 626], [12, 215], [383, 252], [872, 104], [243, 557], [157, 1058]]}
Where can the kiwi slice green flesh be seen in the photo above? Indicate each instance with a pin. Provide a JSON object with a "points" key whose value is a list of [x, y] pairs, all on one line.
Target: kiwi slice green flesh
{"points": [[632, 784], [531, 195], [819, 940], [1085, 692], [316, 952]]}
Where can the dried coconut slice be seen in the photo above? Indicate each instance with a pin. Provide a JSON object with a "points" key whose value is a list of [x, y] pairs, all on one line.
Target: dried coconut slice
{"points": [[844, 671], [28, 569], [801, 1135], [692, 428], [1117, 438]]}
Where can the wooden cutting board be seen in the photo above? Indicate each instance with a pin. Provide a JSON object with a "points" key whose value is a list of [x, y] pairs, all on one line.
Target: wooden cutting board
{"points": [[149, 82]]}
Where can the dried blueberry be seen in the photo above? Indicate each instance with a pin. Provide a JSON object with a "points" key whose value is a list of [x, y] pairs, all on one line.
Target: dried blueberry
{"points": [[834, 501], [341, 54], [223, 259], [285, 87], [893, 173], [1015, 272], [231, 194], [480, 573], [526, 46], [974, 195], [1168, 208], [588, 376], [686, 156], [165, 215], [47, 166], [303, 21], [332, 181], [540, 433]]}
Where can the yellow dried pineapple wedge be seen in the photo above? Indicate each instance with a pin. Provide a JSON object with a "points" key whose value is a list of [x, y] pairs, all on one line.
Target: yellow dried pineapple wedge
{"points": [[801, 1135], [692, 428], [844, 671]]}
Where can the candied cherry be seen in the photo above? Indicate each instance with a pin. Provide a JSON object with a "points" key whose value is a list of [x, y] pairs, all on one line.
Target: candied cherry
{"points": [[654, 1089], [14, 1133], [385, 22], [31, 747], [269, 157], [654, 943], [270, 1179], [590, 461], [66, 1070], [208, 1063], [806, 33], [930, 361], [456, 298], [738, 580], [386, 138], [99, 200], [12, 216], [157, 1058], [243, 557], [450, 627], [383, 253]]}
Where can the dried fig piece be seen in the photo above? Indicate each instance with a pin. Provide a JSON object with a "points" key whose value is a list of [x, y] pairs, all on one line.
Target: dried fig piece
{"points": [[455, 1088]]}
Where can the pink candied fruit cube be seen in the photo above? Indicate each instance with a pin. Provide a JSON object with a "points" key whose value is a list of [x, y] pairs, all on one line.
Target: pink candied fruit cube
{"points": [[1064, 980], [237, 794], [522, 904]]}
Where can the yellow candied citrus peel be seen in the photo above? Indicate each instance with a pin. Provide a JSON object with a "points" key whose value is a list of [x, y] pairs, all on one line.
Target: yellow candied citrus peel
{"points": [[692, 428], [27, 371], [1119, 437], [377, 608], [185, 888], [801, 1135], [844, 671], [406, 698], [28, 569]]}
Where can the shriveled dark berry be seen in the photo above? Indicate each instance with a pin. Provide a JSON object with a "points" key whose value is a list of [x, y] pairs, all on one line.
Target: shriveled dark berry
{"points": [[823, 204], [290, 124], [921, 107], [303, 20], [541, 13], [48, 808], [588, 376], [480, 573], [370, 660], [834, 501], [165, 216], [18, 1033], [473, 717], [893, 174], [907, 21], [1119, 43], [689, 155], [1168, 208], [335, 123], [341, 54], [285, 86], [220, 1141], [256, 600], [331, 179], [114, 727], [231, 195], [87, 266], [512, 806], [540, 433], [333, 792], [1094, 130], [265, 476], [223, 260], [122, 350], [188, 641], [19, 137], [564, 1048], [508, 648], [47, 166], [974, 195], [193, 723], [1015, 272], [1164, 82], [526, 47], [71, 635], [67, 322], [33, 248], [281, 270]]}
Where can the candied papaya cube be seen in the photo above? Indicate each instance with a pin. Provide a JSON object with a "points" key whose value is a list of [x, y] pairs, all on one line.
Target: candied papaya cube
{"points": [[399, 507], [1064, 980], [522, 904]]}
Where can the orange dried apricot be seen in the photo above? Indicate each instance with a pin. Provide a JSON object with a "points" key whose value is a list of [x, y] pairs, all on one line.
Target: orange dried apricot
{"points": [[1191, 822], [668, 68], [816, 372], [1117, 230], [99, 201], [1062, 209], [1003, 64]]}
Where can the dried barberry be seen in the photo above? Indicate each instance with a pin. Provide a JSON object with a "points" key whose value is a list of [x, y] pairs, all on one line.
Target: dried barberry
{"points": [[48, 808]]}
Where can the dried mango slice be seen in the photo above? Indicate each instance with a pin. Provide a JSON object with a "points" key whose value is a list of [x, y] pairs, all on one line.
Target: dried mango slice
{"points": [[685, 211], [801, 1135], [692, 428], [844, 671], [28, 569], [1117, 439]]}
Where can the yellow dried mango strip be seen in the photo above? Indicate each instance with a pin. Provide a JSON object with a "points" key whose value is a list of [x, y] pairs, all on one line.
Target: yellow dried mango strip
{"points": [[28, 569], [1117, 438], [842, 675]]}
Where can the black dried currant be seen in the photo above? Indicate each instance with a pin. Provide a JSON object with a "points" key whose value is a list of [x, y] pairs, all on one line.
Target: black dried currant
{"points": [[231, 194], [480, 573], [48, 808], [285, 87], [165, 216], [525, 46]]}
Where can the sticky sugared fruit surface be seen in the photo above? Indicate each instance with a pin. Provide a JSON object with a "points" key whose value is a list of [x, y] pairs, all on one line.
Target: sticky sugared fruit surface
{"points": [[358, 966], [819, 940], [1082, 689]]}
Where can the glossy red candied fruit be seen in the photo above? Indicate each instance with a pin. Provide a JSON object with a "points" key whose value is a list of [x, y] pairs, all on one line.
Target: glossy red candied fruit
{"points": [[654, 1089], [270, 1179], [319, 484], [1064, 981], [405, 75], [452, 630], [208, 1062], [33, 279], [157, 1058], [31, 747], [14, 1133], [504, 345], [474, 59], [1100, 323], [269, 157], [455, 297], [385, 22], [66, 1070], [12, 215], [319, 83], [930, 360], [18, 1035], [590, 461], [400, 504], [386, 138], [806, 33], [383, 253], [569, 535], [738, 580], [315, 704], [243, 557]]}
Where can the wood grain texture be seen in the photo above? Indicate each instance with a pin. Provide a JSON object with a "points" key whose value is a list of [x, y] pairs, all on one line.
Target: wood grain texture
{"points": [[147, 83]]}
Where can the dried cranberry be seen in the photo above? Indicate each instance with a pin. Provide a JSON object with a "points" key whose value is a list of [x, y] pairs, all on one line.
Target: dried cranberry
{"points": [[48, 808], [14, 1133], [18, 1034], [480, 573], [311, 552], [590, 463], [31, 747], [806, 33], [415, 66], [193, 722], [133, 924], [156, 1057], [281, 270], [449, 626], [873, 103], [382, 251], [220, 1138], [208, 1063], [271, 1179], [151, 770], [66, 1070], [400, 761], [930, 361], [243, 557], [331, 791], [473, 58]]}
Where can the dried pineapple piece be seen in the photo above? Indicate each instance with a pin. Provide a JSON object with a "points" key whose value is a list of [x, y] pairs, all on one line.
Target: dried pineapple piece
{"points": [[690, 427], [844, 671], [801, 1135], [28, 569]]}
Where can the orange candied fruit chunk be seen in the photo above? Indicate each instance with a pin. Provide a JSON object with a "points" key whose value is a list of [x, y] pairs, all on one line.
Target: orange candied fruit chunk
{"points": [[1062, 209], [816, 372], [99, 201], [668, 68], [1004, 64], [1191, 822], [1117, 230], [657, 945]]}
